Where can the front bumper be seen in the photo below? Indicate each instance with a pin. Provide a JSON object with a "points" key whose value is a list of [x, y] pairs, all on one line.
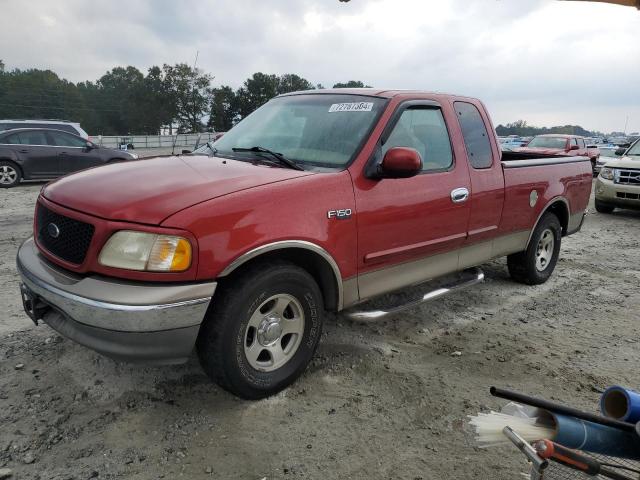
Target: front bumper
{"points": [[132, 321], [617, 195]]}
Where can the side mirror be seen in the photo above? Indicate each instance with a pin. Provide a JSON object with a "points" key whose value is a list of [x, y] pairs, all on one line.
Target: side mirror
{"points": [[574, 147], [400, 162], [89, 145], [186, 151], [620, 151]]}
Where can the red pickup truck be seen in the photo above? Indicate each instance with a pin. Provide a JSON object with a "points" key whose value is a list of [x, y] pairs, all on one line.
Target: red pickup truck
{"points": [[553, 144], [316, 202]]}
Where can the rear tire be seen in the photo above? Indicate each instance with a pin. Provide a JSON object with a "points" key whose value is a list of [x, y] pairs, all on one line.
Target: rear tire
{"points": [[10, 174], [603, 207], [261, 330], [536, 264]]}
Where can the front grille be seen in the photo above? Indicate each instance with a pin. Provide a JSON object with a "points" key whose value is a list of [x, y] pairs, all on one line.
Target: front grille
{"points": [[628, 196], [64, 237], [627, 177]]}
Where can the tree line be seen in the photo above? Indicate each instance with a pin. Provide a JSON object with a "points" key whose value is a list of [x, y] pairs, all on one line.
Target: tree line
{"points": [[522, 129], [124, 101]]}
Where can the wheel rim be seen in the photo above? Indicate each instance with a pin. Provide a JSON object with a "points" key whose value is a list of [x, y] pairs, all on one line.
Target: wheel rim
{"points": [[8, 175], [274, 332], [544, 250]]}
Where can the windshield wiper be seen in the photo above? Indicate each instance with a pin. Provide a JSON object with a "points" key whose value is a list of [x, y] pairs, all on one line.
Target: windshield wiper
{"points": [[278, 156]]}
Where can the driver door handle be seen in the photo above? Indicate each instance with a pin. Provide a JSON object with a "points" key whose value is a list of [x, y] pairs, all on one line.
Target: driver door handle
{"points": [[459, 195]]}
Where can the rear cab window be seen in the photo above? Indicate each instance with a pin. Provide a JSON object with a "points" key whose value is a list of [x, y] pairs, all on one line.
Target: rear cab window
{"points": [[474, 132]]}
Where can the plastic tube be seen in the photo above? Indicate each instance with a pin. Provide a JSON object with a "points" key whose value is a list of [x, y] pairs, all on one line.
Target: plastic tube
{"points": [[592, 437], [620, 403]]}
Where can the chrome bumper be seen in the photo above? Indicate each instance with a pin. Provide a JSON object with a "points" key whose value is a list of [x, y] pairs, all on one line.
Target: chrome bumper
{"points": [[132, 321]]}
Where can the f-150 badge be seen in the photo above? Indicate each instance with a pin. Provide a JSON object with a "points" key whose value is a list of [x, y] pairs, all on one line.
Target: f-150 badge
{"points": [[339, 214]]}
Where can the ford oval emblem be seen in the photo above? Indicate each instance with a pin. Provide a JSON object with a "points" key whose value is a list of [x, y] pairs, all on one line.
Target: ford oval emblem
{"points": [[53, 230]]}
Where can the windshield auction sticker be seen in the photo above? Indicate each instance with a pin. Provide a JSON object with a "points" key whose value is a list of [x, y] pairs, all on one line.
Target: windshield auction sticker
{"points": [[351, 107]]}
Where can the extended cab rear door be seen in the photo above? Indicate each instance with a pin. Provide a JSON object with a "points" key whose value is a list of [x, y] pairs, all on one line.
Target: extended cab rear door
{"points": [[487, 181], [411, 229]]}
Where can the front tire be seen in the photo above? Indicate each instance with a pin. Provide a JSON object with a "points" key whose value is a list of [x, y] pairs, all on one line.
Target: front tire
{"points": [[536, 264], [10, 174], [261, 330], [603, 207]]}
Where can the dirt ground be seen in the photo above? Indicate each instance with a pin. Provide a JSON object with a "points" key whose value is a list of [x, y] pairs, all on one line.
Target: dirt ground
{"points": [[383, 401]]}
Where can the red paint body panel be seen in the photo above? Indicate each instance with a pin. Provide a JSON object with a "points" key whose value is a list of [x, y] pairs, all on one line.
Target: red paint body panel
{"points": [[147, 191], [297, 209], [227, 208], [403, 219]]}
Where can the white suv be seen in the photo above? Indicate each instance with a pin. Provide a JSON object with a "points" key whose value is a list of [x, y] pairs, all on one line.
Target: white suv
{"points": [[65, 126]]}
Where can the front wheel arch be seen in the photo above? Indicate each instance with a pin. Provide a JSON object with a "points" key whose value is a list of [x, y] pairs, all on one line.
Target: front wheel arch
{"points": [[317, 262]]}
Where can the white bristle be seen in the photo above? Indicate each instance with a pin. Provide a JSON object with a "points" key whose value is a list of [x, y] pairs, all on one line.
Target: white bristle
{"points": [[489, 428]]}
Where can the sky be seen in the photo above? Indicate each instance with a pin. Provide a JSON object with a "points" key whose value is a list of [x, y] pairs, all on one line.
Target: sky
{"points": [[545, 61]]}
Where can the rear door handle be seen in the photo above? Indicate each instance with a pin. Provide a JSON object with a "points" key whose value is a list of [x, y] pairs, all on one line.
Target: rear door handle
{"points": [[24, 151], [459, 195]]}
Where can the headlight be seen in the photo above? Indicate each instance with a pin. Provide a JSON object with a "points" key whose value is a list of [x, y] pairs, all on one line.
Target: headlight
{"points": [[134, 155], [607, 173], [146, 251]]}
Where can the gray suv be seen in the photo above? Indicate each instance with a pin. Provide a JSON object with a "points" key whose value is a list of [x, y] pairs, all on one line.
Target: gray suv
{"points": [[64, 125], [37, 153]]}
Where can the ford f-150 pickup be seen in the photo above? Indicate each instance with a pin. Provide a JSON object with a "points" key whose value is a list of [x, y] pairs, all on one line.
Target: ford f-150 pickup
{"points": [[317, 201]]}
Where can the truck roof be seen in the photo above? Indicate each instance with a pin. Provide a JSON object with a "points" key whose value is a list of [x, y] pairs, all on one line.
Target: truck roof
{"points": [[372, 92], [561, 135]]}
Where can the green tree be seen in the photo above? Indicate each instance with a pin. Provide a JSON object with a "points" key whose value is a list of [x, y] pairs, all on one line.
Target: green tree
{"points": [[351, 84], [189, 92], [290, 82], [223, 109], [119, 95], [255, 92]]}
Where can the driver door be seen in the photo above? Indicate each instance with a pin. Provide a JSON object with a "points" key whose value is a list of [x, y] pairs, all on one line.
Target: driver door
{"points": [[411, 229], [73, 153]]}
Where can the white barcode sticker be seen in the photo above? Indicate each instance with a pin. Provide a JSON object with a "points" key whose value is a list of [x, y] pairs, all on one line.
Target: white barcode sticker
{"points": [[351, 107]]}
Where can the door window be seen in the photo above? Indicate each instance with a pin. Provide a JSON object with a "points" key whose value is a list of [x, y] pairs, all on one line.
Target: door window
{"points": [[581, 143], [60, 139], [11, 139], [574, 141], [27, 138], [476, 137], [424, 130]]}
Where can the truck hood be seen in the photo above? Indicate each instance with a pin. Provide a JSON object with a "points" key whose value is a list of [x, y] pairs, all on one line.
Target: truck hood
{"points": [[150, 190], [623, 162]]}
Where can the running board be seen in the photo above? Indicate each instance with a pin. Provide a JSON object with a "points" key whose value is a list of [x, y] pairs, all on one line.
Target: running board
{"points": [[468, 278]]}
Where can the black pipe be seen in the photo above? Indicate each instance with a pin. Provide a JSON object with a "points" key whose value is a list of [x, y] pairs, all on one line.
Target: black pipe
{"points": [[561, 409]]}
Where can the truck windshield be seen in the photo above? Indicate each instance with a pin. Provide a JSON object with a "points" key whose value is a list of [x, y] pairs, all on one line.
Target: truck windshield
{"points": [[548, 142], [635, 149], [316, 130]]}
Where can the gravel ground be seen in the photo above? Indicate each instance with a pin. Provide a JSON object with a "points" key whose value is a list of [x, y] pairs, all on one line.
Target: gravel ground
{"points": [[387, 400]]}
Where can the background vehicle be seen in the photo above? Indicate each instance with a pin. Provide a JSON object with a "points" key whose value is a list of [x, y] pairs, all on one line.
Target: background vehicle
{"points": [[511, 142], [607, 152], [556, 144], [33, 153], [618, 184], [239, 248], [64, 125]]}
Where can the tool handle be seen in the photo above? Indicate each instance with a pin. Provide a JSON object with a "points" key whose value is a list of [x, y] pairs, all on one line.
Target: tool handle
{"points": [[570, 458]]}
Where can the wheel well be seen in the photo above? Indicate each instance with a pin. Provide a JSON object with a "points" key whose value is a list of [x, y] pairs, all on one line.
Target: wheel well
{"points": [[13, 163], [560, 210], [313, 263]]}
